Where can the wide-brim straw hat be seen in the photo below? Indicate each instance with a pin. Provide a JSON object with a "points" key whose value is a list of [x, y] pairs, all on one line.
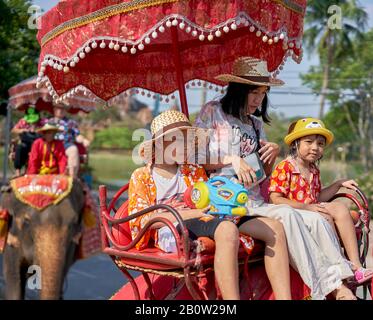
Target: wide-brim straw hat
{"points": [[253, 71], [48, 127], [308, 127], [166, 123]]}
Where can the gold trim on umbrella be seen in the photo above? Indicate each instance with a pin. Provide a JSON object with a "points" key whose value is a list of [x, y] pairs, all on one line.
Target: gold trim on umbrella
{"points": [[291, 5], [128, 7], [100, 15]]}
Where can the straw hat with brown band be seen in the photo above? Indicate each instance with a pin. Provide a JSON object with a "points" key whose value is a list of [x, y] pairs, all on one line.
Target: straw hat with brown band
{"points": [[166, 123], [249, 70]]}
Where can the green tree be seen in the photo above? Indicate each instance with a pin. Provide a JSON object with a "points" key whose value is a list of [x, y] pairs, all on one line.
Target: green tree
{"points": [[114, 138], [19, 49], [331, 25], [351, 96]]}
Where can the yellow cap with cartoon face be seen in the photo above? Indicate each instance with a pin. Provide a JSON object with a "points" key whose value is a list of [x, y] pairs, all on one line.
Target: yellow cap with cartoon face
{"points": [[306, 127]]}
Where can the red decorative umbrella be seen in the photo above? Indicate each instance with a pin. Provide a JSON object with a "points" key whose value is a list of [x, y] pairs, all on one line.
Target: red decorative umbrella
{"points": [[25, 93], [110, 46]]}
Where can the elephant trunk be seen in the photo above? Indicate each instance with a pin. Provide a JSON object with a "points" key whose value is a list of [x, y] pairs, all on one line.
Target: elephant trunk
{"points": [[51, 243]]}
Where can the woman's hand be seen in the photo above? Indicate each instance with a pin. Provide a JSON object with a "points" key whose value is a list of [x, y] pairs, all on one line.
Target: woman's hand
{"points": [[349, 184], [268, 151], [244, 172]]}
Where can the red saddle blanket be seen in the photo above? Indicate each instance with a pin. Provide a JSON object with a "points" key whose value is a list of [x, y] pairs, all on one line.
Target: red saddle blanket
{"points": [[41, 191]]}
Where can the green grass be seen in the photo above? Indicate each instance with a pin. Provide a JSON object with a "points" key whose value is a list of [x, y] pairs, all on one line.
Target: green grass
{"points": [[109, 167], [334, 170]]}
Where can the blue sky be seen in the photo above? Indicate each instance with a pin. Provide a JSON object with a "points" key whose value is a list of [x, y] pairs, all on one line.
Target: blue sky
{"points": [[289, 104]]}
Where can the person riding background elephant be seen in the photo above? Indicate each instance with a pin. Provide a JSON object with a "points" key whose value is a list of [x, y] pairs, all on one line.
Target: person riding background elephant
{"points": [[69, 134], [25, 128], [47, 155], [53, 219]]}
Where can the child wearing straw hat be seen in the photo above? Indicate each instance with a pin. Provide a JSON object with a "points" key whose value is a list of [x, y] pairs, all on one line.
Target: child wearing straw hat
{"points": [[237, 133], [47, 155], [296, 181]]}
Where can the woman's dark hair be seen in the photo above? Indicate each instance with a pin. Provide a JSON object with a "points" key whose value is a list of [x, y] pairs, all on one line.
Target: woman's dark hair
{"points": [[236, 99]]}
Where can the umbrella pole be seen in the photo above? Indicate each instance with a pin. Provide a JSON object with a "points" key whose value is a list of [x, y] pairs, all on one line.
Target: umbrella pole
{"points": [[179, 71], [6, 145]]}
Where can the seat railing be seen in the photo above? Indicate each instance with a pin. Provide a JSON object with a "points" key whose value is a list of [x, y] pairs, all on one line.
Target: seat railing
{"points": [[111, 246]]}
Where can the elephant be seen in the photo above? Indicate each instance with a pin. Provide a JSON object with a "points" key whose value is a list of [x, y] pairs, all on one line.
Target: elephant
{"points": [[47, 239]]}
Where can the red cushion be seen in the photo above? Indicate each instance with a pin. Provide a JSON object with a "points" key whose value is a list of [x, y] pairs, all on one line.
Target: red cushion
{"points": [[264, 190], [122, 235], [121, 232]]}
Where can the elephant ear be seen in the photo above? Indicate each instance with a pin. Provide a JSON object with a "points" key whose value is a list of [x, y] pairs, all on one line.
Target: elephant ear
{"points": [[5, 197], [10, 202], [78, 194]]}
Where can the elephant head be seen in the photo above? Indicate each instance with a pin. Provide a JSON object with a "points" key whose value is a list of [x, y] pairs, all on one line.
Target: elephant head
{"points": [[47, 239]]}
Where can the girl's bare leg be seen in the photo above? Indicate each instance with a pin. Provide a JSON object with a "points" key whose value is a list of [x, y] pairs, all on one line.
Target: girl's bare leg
{"points": [[226, 260], [276, 257], [346, 228]]}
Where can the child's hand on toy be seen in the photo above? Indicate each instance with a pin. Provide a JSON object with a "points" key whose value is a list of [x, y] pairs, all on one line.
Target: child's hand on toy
{"points": [[268, 151], [349, 184], [206, 210], [244, 172]]}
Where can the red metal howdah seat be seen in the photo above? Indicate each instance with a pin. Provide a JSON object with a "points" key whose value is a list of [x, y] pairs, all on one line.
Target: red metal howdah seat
{"points": [[192, 265]]}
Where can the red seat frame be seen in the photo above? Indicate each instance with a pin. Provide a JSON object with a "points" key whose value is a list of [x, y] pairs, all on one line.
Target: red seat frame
{"points": [[117, 242]]}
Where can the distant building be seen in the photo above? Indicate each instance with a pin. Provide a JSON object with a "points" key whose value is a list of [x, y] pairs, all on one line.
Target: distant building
{"points": [[130, 106]]}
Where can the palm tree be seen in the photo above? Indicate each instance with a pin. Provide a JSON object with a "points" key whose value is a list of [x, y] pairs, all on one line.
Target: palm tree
{"points": [[331, 42]]}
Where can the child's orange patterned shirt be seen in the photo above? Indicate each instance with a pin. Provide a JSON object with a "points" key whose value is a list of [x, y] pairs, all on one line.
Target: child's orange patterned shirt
{"points": [[287, 179], [142, 194]]}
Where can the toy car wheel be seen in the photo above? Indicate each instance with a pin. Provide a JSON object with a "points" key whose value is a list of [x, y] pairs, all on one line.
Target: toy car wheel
{"points": [[188, 198], [200, 195]]}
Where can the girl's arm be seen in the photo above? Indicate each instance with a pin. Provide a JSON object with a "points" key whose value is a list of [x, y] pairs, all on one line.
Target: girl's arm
{"points": [[327, 193], [278, 198], [18, 131], [280, 187]]}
